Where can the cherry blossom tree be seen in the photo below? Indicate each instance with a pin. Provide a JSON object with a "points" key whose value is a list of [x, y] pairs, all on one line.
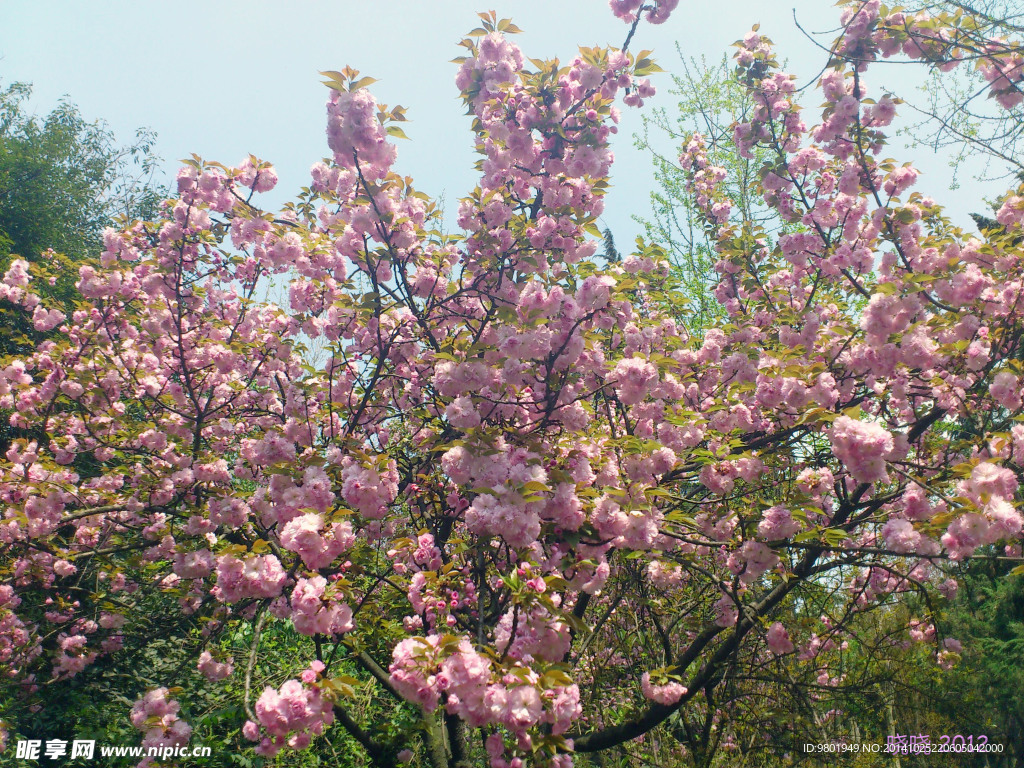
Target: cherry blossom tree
{"points": [[958, 112], [517, 495]]}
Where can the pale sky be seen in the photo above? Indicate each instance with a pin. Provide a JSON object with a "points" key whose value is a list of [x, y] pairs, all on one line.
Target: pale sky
{"points": [[225, 78]]}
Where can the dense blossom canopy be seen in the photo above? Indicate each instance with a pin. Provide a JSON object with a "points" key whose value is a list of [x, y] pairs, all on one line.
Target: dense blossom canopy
{"points": [[504, 433]]}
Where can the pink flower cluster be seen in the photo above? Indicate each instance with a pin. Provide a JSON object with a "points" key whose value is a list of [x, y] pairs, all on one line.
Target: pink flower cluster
{"points": [[355, 134], [634, 379], [1011, 212], [316, 609], [991, 488], [74, 655], [369, 490], [14, 286], [862, 447], [413, 660], [901, 536], [474, 691], [537, 634], [256, 576], [290, 715], [503, 510], [1006, 390], [778, 639], [17, 645], [727, 611], [156, 715], [777, 523], [658, 13], [1005, 73], [259, 177], [214, 670], [667, 693], [302, 535], [751, 561], [495, 65]]}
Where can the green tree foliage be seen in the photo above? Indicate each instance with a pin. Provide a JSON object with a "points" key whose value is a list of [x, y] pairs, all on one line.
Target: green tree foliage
{"points": [[988, 617], [62, 180], [709, 101]]}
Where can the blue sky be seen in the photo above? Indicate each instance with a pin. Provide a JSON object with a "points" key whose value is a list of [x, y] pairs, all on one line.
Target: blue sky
{"points": [[224, 79]]}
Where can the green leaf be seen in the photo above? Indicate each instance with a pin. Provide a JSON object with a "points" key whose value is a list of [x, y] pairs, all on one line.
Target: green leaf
{"points": [[362, 83]]}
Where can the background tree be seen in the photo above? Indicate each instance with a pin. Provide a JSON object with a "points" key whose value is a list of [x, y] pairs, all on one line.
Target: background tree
{"points": [[62, 181], [710, 101]]}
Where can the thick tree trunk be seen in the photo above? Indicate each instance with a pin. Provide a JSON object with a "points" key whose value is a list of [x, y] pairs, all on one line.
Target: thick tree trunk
{"points": [[457, 741], [434, 740]]}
